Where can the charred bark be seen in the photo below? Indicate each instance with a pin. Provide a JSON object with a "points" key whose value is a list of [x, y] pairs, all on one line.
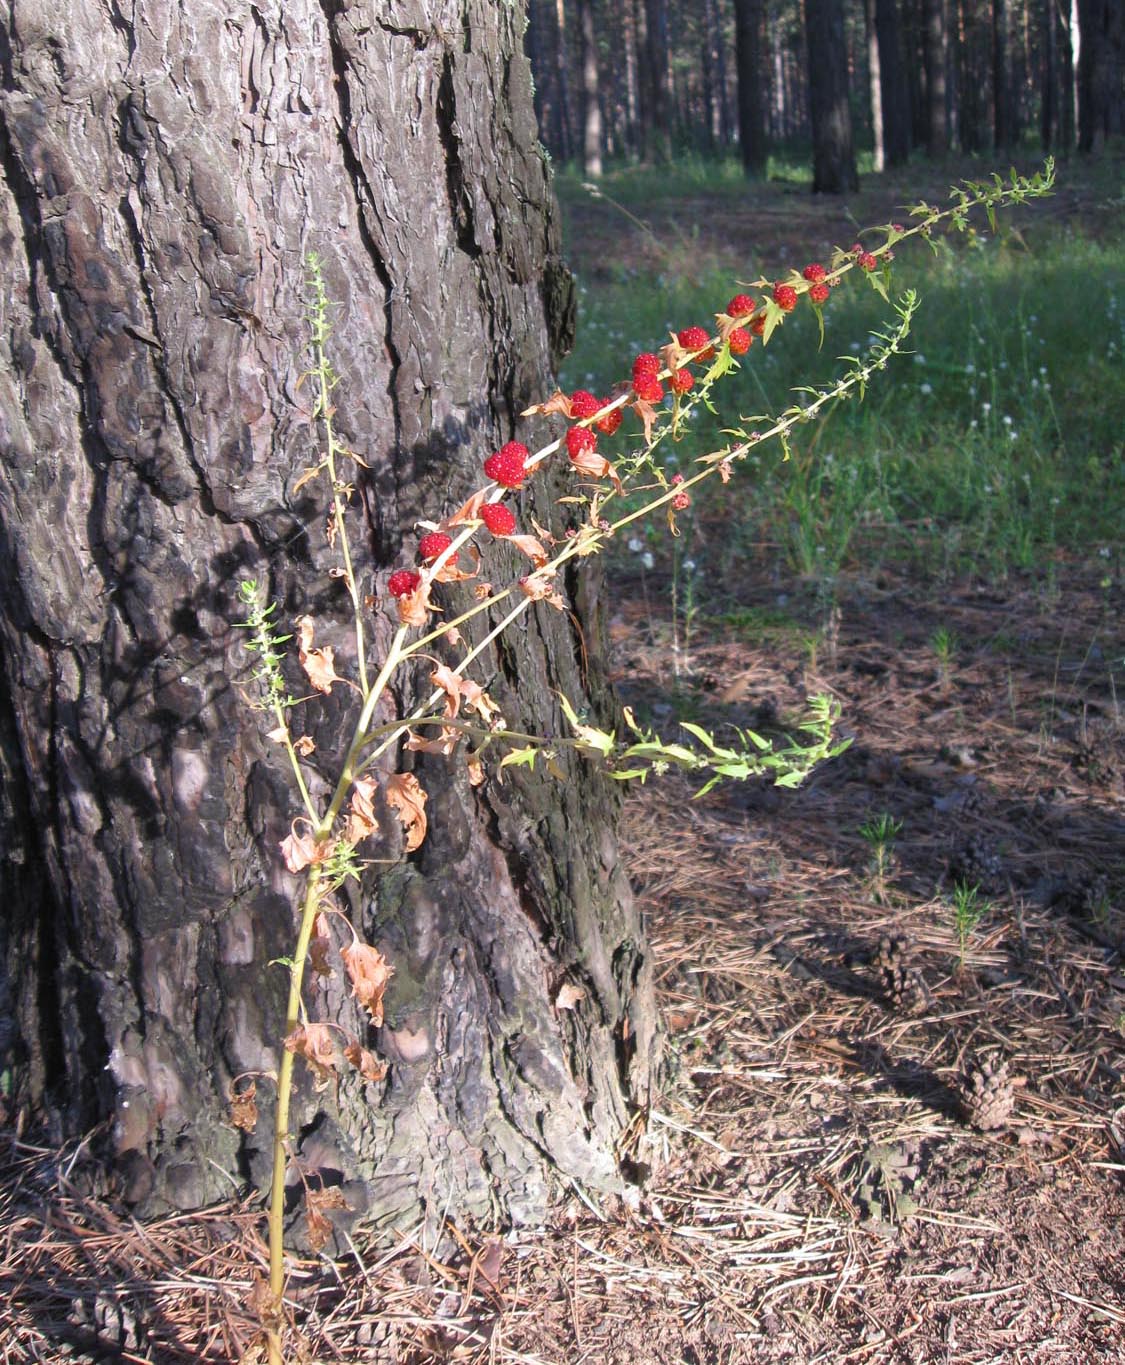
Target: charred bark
{"points": [[165, 175]]}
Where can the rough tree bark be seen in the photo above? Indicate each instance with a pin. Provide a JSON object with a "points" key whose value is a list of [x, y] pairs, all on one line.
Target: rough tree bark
{"points": [[591, 94], [752, 83], [166, 169], [834, 168]]}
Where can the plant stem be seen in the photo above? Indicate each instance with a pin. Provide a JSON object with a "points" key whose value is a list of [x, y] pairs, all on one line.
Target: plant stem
{"points": [[281, 1121]]}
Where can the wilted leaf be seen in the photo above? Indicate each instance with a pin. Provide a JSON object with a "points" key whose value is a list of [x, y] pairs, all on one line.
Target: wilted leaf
{"points": [[468, 511], [300, 850], [369, 971], [450, 683], [414, 609], [476, 770], [370, 1067], [304, 746], [647, 413], [317, 663], [530, 546], [320, 943], [558, 402], [478, 700], [406, 797], [319, 1227], [540, 587], [590, 462], [314, 1043], [243, 1110], [569, 995], [444, 744], [361, 810]]}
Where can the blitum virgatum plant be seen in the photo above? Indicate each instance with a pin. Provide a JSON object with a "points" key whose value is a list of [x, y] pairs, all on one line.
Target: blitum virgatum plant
{"points": [[458, 718]]}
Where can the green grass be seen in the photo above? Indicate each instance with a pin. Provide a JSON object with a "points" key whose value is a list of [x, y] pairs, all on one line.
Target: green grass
{"points": [[998, 440]]}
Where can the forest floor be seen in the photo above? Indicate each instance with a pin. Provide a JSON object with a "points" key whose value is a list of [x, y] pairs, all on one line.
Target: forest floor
{"points": [[835, 964]]}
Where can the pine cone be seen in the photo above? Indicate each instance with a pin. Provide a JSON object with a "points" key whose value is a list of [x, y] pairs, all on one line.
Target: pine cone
{"points": [[987, 1094], [900, 982], [976, 863], [903, 987]]}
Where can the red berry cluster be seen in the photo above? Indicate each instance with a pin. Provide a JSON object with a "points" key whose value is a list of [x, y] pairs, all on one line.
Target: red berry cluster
{"points": [[498, 518], [403, 582], [741, 306], [785, 296], [507, 466], [434, 544], [814, 273], [739, 341], [579, 441], [646, 385], [583, 404], [697, 339]]}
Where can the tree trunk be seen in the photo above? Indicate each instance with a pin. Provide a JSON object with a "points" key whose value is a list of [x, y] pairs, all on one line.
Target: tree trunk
{"points": [[933, 46], [1098, 71], [875, 89], [167, 168], [893, 83], [752, 82], [657, 82], [591, 97], [834, 169], [1001, 78]]}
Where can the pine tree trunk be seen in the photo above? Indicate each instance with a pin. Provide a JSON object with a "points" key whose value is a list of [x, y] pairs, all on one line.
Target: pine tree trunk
{"points": [[591, 94], [657, 80], [750, 67], [167, 168], [893, 83], [834, 169], [1001, 77], [937, 135]]}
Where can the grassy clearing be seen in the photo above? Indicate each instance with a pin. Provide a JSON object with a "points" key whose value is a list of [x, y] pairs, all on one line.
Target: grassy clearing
{"points": [[999, 441]]}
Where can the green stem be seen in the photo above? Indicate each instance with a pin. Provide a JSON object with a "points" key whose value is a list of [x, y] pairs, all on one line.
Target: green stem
{"points": [[281, 1122]]}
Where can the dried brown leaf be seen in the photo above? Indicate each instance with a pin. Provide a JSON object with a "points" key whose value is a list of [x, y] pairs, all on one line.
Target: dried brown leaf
{"points": [[317, 663], [304, 746], [370, 1067], [361, 813], [369, 972], [468, 511], [531, 546], [243, 1109], [314, 1043], [414, 609], [450, 683], [558, 402], [444, 744], [407, 798], [300, 849], [320, 943]]}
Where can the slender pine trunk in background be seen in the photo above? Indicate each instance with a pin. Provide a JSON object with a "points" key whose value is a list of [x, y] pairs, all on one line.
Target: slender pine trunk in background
{"points": [[752, 86]]}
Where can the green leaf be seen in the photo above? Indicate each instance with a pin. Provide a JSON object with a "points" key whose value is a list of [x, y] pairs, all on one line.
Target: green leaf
{"points": [[520, 758]]}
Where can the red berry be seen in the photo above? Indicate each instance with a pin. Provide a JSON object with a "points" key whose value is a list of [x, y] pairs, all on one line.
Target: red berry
{"points": [[403, 582], [434, 544], [583, 404], [739, 341], [680, 381], [741, 306], [758, 325], [649, 389], [646, 365], [814, 273], [677, 478], [681, 500], [785, 296], [697, 339], [610, 422], [506, 466], [819, 293], [579, 440], [866, 261], [498, 518]]}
